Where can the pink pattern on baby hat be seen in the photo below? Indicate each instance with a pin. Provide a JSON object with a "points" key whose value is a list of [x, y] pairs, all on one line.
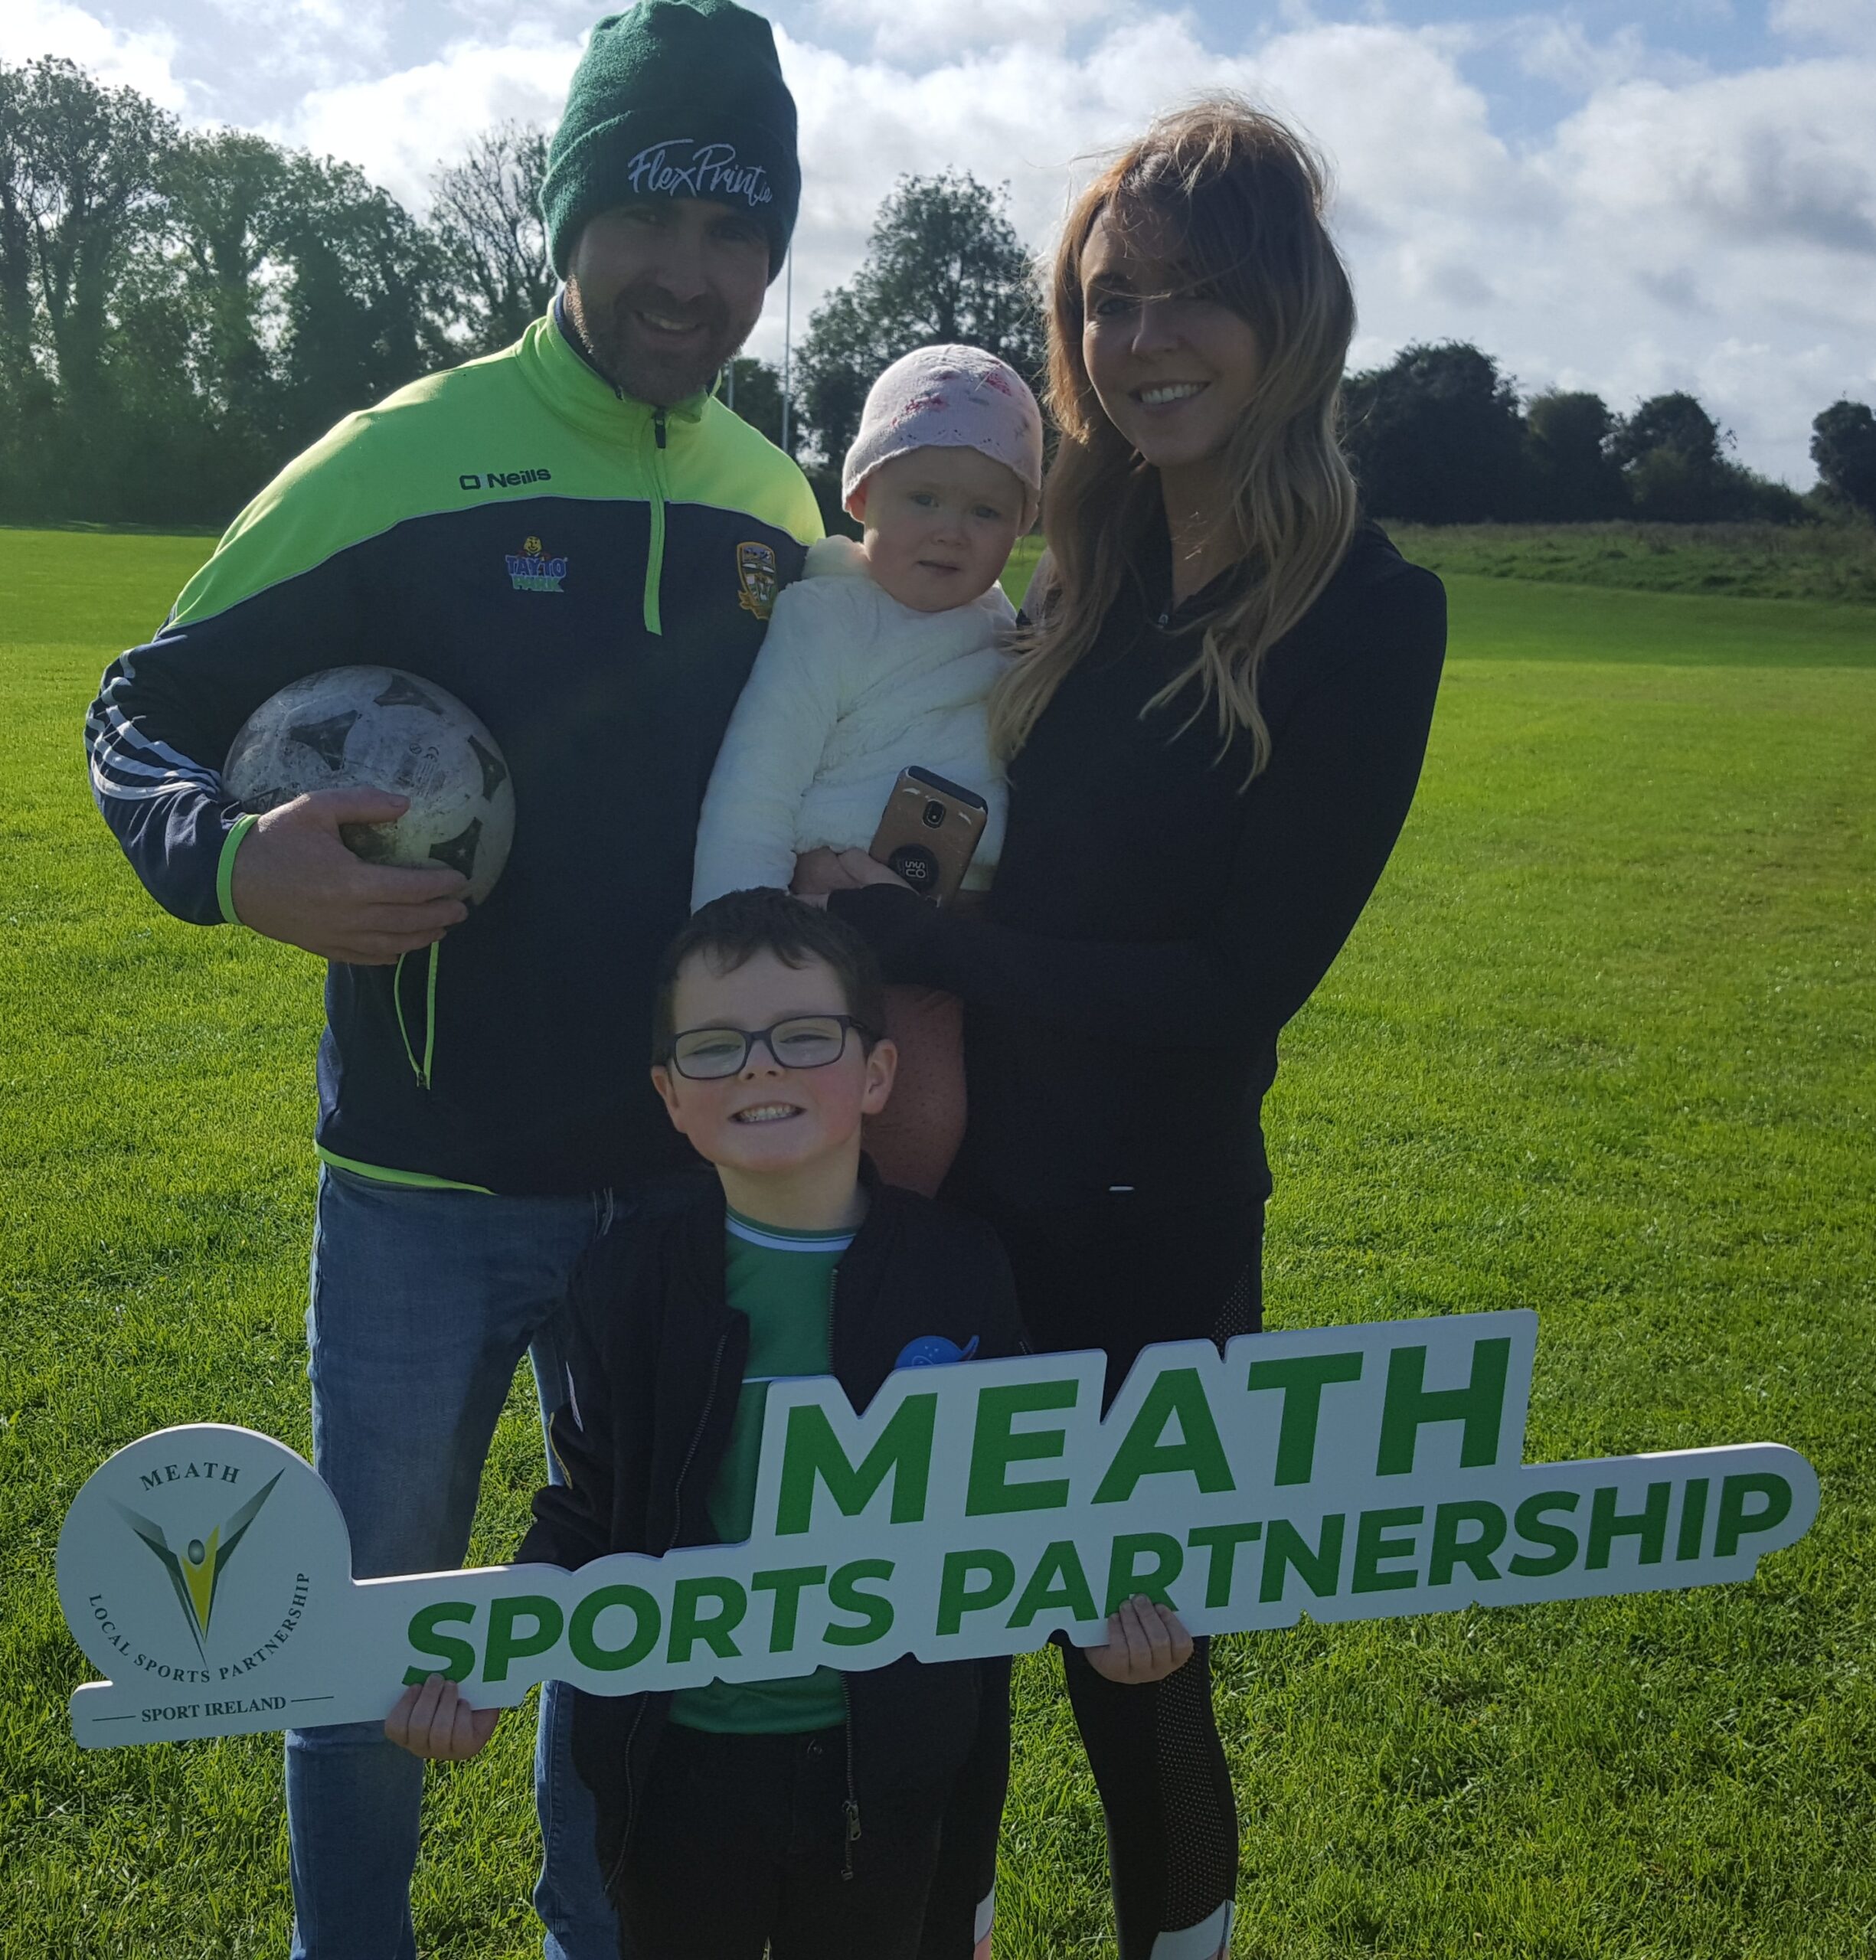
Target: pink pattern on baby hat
{"points": [[949, 398]]}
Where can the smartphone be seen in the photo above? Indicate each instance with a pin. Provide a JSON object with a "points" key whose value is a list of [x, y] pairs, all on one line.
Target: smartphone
{"points": [[930, 828]]}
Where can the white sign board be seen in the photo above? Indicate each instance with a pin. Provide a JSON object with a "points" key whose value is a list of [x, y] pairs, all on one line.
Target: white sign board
{"points": [[1348, 1473]]}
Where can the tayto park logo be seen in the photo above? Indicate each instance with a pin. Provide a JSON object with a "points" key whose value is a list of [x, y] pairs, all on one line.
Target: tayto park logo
{"points": [[185, 1566], [530, 569]]}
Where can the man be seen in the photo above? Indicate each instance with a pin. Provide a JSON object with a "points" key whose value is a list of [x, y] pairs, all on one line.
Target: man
{"points": [[482, 1106]]}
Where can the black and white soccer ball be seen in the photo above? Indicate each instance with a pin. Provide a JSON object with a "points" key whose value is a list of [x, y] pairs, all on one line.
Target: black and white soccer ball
{"points": [[378, 727]]}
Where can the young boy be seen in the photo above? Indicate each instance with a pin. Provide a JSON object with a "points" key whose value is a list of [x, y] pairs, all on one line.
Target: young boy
{"points": [[804, 1815]]}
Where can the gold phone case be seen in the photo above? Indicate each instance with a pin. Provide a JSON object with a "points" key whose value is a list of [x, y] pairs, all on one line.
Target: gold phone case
{"points": [[929, 829]]}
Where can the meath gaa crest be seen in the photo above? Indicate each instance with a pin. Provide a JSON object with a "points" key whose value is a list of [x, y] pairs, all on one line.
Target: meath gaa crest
{"points": [[759, 577]]}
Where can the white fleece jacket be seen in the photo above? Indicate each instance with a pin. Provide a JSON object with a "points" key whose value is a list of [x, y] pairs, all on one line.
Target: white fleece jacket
{"points": [[849, 689]]}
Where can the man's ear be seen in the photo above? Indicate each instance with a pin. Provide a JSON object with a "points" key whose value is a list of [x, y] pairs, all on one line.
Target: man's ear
{"points": [[882, 1064]]}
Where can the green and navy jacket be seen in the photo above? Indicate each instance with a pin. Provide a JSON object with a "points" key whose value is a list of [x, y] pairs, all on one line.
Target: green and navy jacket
{"points": [[591, 576]]}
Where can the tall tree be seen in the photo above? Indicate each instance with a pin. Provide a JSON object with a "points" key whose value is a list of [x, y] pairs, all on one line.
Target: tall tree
{"points": [[1676, 422], [225, 201], [363, 302], [494, 244], [1574, 477], [943, 264], [1437, 436], [19, 307], [1674, 459], [82, 165], [1843, 445]]}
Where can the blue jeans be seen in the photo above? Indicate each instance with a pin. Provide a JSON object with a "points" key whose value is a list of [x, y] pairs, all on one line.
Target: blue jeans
{"points": [[422, 1303]]}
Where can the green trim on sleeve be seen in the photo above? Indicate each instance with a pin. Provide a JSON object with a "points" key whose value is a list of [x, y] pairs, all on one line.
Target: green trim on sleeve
{"points": [[224, 865], [413, 1180]]}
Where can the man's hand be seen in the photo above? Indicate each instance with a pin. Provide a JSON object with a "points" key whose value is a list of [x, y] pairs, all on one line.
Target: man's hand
{"points": [[294, 880], [433, 1719], [1145, 1642]]}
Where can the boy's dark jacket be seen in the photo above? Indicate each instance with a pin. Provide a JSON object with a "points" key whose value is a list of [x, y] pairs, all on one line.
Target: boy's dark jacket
{"points": [[656, 1362]]}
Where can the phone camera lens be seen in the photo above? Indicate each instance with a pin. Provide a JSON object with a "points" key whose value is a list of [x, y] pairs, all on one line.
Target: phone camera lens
{"points": [[934, 816]]}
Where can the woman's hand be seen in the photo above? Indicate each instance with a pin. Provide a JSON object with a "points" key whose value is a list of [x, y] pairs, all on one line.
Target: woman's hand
{"points": [[860, 869], [1145, 1642], [433, 1719], [819, 872]]}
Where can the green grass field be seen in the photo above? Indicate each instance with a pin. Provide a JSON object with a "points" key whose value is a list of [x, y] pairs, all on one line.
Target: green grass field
{"points": [[1604, 1044]]}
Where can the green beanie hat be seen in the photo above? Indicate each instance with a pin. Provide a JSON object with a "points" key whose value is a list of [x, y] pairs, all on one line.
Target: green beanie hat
{"points": [[676, 99]]}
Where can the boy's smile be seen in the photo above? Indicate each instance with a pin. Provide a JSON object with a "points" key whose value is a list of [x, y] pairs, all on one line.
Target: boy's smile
{"points": [[786, 1141]]}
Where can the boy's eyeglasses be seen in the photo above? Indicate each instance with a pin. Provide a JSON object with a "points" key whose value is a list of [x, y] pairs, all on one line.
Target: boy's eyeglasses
{"points": [[804, 1041]]}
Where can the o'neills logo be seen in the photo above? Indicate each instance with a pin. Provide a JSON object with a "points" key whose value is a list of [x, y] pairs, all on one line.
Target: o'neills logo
{"points": [[683, 167]]}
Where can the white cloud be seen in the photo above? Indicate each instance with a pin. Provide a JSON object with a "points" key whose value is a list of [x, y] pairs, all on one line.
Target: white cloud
{"points": [[144, 59], [1558, 48], [398, 127], [901, 27], [312, 43], [1847, 24]]}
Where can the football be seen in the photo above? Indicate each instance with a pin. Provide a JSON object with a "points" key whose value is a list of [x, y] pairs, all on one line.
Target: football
{"points": [[381, 728]]}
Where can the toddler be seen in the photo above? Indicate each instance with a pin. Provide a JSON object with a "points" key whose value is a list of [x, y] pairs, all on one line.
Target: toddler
{"points": [[881, 658]]}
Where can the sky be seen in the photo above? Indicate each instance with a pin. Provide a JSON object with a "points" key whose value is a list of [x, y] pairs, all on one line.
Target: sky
{"points": [[1628, 198]]}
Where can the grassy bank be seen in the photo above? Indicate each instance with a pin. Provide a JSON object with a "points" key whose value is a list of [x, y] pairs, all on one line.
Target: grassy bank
{"points": [[1829, 561]]}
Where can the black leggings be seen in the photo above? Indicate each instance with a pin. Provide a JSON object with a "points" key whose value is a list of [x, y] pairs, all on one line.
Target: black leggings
{"points": [[1122, 1275]]}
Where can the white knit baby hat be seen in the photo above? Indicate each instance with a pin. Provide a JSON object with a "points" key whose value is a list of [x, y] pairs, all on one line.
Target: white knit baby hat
{"points": [[948, 398]]}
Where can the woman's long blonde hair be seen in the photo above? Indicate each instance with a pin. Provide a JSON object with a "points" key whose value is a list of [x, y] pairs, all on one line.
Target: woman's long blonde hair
{"points": [[1235, 199]]}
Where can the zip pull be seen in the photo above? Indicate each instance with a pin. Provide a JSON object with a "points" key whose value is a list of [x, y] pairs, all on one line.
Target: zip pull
{"points": [[852, 1810], [654, 553]]}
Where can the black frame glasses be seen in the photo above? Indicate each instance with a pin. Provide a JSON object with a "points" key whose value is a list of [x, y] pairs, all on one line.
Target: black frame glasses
{"points": [[768, 1036]]}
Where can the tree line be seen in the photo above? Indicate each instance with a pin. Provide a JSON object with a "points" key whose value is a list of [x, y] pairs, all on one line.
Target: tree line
{"points": [[183, 311]]}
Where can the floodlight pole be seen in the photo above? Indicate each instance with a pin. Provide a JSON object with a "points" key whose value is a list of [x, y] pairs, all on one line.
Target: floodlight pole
{"points": [[788, 329]]}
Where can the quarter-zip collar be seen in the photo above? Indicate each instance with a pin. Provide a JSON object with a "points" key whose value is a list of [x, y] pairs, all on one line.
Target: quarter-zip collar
{"points": [[561, 372], [558, 370]]}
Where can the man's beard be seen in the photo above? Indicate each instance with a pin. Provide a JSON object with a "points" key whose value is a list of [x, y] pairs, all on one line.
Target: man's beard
{"points": [[615, 343]]}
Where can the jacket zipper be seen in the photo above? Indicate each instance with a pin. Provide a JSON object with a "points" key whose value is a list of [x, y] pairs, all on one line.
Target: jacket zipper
{"points": [[850, 1809], [420, 1069], [677, 1522], [654, 555]]}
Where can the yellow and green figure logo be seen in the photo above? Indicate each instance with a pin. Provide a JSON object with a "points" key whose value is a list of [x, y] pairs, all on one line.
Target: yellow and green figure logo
{"points": [[196, 1572]]}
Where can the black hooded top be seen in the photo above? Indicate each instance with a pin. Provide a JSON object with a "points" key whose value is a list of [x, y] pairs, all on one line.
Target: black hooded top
{"points": [[1153, 922]]}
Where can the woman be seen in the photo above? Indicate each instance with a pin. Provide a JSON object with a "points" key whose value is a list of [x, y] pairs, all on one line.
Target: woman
{"points": [[1215, 735]]}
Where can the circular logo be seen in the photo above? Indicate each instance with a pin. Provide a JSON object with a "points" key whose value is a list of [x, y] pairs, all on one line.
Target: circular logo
{"points": [[192, 1560], [916, 865]]}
